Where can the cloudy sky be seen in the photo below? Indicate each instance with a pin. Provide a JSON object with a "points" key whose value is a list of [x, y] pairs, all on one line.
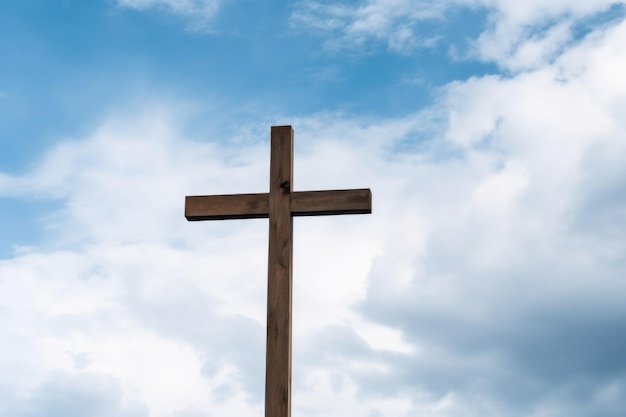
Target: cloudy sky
{"points": [[490, 280]]}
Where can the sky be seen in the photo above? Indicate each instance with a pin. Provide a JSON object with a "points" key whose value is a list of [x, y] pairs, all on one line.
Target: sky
{"points": [[489, 280]]}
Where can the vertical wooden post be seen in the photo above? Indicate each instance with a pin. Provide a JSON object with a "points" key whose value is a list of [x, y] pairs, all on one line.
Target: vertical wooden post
{"points": [[280, 205], [279, 285]]}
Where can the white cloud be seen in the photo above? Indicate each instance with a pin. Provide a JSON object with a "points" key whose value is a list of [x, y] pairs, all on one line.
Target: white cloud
{"points": [[519, 35], [526, 35], [199, 12], [521, 253], [488, 280], [392, 22]]}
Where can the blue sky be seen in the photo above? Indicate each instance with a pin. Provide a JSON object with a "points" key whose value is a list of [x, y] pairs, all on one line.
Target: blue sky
{"points": [[488, 281], [67, 63]]}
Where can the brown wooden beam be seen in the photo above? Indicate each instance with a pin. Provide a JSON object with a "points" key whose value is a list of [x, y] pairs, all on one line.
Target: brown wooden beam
{"points": [[332, 202], [279, 277], [281, 204], [224, 207], [256, 206]]}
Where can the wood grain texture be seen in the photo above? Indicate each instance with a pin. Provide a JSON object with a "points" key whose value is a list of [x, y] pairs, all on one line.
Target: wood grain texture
{"points": [[281, 204], [224, 207], [279, 284], [256, 206], [332, 202]]}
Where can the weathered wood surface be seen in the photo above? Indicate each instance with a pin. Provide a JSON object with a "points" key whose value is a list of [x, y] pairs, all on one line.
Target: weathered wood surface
{"points": [[324, 203], [281, 204], [224, 207], [279, 279], [256, 206]]}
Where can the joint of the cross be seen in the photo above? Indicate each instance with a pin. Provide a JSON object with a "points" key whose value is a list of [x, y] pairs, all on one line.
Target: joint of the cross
{"points": [[285, 185]]}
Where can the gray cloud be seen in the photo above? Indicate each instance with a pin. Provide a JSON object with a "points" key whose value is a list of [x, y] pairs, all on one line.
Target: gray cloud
{"points": [[489, 280], [80, 395]]}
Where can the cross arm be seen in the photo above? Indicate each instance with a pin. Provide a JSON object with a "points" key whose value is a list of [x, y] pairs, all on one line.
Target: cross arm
{"points": [[224, 207], [256, 206], [331, 202]]}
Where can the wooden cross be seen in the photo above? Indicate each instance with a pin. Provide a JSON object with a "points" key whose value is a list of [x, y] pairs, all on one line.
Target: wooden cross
{"points": [[280, 205]]}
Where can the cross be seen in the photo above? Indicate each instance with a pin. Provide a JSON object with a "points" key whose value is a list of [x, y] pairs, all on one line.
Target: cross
{"points": [[280, 205]]}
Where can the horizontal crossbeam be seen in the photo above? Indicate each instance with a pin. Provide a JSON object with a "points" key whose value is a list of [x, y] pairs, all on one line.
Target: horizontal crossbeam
{"points": [[256, 206], [331, 202], [224, 207]]}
